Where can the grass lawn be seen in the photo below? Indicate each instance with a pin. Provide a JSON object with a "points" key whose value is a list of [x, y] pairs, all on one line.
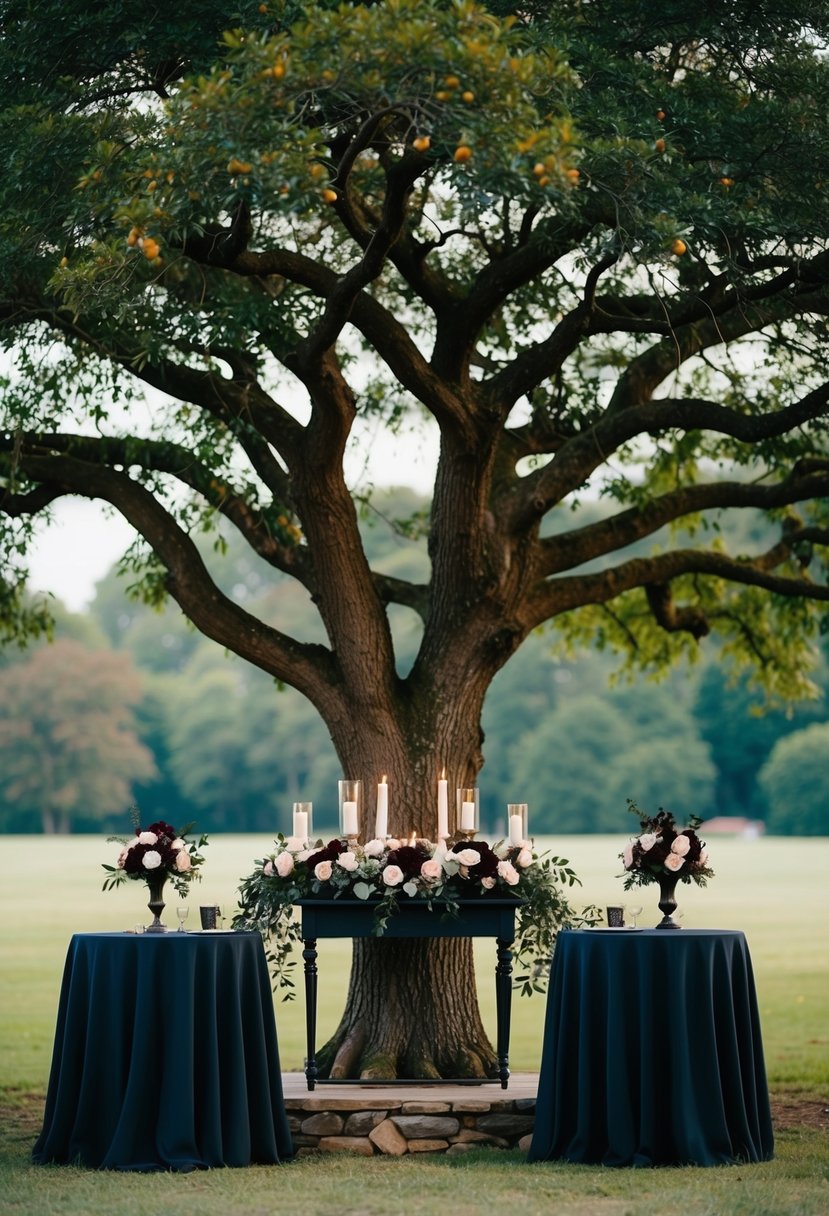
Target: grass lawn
{"points": [[773, 889]]}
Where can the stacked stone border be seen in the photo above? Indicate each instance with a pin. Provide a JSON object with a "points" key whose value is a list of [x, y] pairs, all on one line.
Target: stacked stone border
{"points": [[374, 1125]]}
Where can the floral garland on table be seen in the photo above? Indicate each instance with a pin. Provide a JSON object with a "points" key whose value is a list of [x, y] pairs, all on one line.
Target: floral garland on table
{"points": [[664, 848], [156, 853], [392, 871]]}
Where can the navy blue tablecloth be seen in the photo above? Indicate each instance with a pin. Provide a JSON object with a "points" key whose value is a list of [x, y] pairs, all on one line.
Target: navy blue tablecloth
{"points": [[652, 1051], [165, 1055]]}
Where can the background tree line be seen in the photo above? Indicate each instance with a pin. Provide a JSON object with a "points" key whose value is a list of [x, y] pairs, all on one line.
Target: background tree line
{"points": [[133, 703]]}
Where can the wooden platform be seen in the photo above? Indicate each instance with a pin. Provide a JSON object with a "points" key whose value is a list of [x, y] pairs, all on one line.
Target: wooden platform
{"points": [[394, 1119]]}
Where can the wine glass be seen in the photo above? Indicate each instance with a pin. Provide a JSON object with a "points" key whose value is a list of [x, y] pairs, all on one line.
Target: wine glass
{"points": [[634, 912], [182, 912]]}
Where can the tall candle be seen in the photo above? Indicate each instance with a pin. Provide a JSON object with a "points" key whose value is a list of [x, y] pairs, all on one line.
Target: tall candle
{"points": [[350, 818], [443, 808], [467, 816], [381, 823], [301, 825], [516, 829]]}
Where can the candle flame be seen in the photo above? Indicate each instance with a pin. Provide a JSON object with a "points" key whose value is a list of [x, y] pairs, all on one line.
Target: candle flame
{"points": [[443, 774], [383, 779]]}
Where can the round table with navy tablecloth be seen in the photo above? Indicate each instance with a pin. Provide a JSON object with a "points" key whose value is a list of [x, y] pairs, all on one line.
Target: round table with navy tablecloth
{"points": [[652, 1051], [165, 1055]]}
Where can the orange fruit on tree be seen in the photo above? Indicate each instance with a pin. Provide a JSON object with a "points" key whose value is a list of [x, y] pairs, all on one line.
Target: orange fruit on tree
{"points": [[422, 144], [467, 96], [573, 175], [678, 247], [726, 181], [451, 82], [462, 154], [660, 114], [150, 248], [329, 195], [660, 145]]}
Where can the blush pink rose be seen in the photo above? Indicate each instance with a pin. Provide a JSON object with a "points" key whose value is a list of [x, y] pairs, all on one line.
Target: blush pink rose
{"points": [[647, 841], [508, 872], [183, 861], [680, 846], [488, 882], [627, 856], [323, 870], [674, 862], [147, 838], [703, 857], [431, 869], [122, 857], [179, 843], [392, 876], [267, 869], [524, 858], [284, 864], [348, 861], [468, 857]]}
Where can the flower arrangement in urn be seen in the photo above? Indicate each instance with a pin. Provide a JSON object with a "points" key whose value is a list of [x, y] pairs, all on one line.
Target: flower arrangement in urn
{"points": [[666, 854], [154, 855], [389, 872]]}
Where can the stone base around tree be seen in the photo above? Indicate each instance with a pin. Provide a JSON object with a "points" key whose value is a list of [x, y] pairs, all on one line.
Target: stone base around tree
{"points": [[392, 1120]]}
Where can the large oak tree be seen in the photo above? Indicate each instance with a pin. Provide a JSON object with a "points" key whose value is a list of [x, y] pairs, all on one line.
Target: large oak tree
{"points": [[587, 239]]}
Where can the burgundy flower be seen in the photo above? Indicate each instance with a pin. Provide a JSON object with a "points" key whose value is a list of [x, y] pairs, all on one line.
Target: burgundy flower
{"points": [[409, 858], [330, 852], [488, 865]]}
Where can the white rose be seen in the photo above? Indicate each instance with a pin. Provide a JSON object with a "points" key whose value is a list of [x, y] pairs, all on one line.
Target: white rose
{"points": [[267, 869], [627, 856], [431, 869], [151, 860], [392, 876], [183, 861], [375, 848], [294, 844], [680, 846], [392, 844], [147, 838], [488, 882], [647, 841], [304, 854], [284, 864], [323, 870], [348, 861], [674, 862], [178, 843], [525, 858], [467, 857], [508, 872]]}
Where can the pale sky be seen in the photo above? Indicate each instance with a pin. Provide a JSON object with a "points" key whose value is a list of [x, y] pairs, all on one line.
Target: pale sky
{"points": [[84, 541]]}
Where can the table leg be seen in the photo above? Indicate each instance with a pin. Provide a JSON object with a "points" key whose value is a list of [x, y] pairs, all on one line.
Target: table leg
{"points": [[309, 955], [503, 1006]]}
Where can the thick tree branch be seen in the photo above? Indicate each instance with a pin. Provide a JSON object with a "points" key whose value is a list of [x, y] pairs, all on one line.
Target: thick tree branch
{"points": [[570, 549], [257, 526], [564, 594], [580, 455], [309, 668]]}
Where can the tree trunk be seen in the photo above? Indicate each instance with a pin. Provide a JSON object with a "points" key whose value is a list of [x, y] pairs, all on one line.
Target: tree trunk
{"points": [[412, 1008], [412, 1011]]}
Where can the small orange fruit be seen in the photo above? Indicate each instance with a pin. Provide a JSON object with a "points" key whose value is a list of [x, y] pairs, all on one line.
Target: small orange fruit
{"points": [[150, 248], [234, 165], [538, 169], [134, 234], [451, 82], [660, 145], [573, 175], [329, 195], [422, 144], [462, 154], [468, 96], [660, 114], [64, 262], [726, 181], [441, 95], [678, 247]]}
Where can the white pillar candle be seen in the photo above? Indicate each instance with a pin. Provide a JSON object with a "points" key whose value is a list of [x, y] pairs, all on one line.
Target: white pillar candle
{"points": [[516, 829], [350, 818], [443, 808], [381, 823], [301, 825], [467, 816]]}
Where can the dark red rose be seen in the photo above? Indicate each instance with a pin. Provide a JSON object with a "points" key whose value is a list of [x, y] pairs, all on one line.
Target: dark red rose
{"points": [[409, 858]]}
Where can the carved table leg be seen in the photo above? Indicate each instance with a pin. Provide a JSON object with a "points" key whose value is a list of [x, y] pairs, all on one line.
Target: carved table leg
{"points": [[309, 955], [503, 1006]]}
